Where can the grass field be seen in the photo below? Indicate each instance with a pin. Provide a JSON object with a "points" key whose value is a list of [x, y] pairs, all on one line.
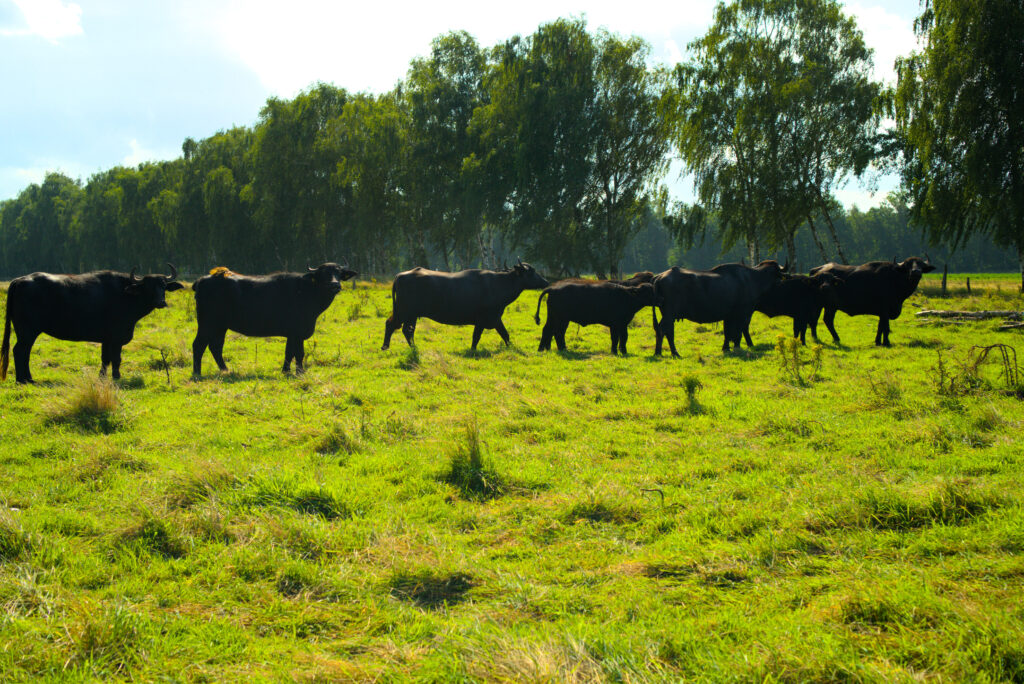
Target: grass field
{"points": [[779, 514]]}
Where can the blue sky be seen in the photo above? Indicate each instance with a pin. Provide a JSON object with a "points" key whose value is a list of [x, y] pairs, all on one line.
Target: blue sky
{"points": [[88, 85]]}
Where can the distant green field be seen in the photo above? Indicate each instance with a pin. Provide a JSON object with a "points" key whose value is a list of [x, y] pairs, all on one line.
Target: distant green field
{"points": [[778, 514]]}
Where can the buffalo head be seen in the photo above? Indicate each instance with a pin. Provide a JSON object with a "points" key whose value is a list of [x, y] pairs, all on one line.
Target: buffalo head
{"points": [[771, 266], [915, 267], [329, 276], [151, 288], [528, 278]]}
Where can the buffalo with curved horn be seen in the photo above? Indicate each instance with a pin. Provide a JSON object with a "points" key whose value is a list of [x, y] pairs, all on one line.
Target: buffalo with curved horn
{"points": [[102, 306], [276, 305]]}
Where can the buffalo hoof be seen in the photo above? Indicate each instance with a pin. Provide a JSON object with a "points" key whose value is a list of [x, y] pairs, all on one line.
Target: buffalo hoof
{"points": [[385, 347]]}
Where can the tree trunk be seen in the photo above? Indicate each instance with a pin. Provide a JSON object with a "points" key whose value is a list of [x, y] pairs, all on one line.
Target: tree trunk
{"points": [[817, 239], [791, 261], [1020, 258], [832, 230], [754, 250]]}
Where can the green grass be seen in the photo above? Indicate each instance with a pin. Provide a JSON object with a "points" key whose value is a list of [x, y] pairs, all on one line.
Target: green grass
{"points": [[783, 513]]}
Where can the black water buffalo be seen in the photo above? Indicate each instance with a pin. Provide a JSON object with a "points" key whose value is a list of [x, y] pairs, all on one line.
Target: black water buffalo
{"points": [[589, 302], [102, 306], [726, 293], [877, 288], [801, 298], [276, 305], [474, 297]]}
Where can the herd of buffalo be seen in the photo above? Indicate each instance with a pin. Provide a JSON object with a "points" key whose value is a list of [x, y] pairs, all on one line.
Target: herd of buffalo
{"points": [[104, 306]]}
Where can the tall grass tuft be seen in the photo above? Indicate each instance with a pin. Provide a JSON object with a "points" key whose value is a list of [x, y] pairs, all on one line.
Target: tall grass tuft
{"points": [[91, 404], [468, 471], [110, 642], [154, 535], [14, 541]]}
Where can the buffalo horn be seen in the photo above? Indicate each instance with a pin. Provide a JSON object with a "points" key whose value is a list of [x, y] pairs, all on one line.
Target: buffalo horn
{"points": [[519, 261], [131, 276], [174, 272], [927, 259], [308, 268]]}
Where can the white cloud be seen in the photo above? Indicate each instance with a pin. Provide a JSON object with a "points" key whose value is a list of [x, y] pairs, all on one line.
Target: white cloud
{"points": [[368, 46], [140, 154], [49, 19], [888, 33]]}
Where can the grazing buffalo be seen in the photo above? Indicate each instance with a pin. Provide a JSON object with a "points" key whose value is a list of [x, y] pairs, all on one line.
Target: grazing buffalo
{"points": [[276, 305], [474, 297], [726, 293], [801, 298], [102, 306], [877, 288], [636, 278], [592, 302]]}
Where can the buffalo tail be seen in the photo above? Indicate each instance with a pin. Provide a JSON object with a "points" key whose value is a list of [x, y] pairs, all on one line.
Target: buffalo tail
{"points": [[654, 307], [5, 350], [536, 315]]}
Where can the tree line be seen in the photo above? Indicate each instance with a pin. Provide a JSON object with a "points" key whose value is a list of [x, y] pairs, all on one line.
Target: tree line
{"points": [[554, 147]]}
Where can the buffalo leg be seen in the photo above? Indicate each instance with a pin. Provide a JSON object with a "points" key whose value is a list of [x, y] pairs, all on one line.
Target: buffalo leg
{"points": [[615, 339], [545, 337], [409, 330], [882, 335], [659, 333], [623, 336], [560, 335], [800, 330], [829, 318], [289, 354], [500, 328], [727, 333], [105, 353], [115, 361], [217, 348], [22, 349], [669, 330], [478, 330], [198, 349], [294, 348], [390, 326]]}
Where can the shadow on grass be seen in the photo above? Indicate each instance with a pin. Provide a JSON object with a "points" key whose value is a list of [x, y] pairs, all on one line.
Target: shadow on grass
{"points": [[427, 589], [231, 377]]}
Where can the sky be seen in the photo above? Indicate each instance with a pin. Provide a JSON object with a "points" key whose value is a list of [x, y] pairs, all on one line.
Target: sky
{"points": [[85, 86]]}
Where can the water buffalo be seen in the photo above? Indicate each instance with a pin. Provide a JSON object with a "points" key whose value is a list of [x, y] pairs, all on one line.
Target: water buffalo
{"points": [[276, 305], [102, 306], [877, 288], [590, 302], [727, 293], [801, 298], [473, 297]]}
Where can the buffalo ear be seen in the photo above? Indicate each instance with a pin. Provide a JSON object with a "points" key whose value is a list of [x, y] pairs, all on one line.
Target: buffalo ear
{"points": [[173, 286]]}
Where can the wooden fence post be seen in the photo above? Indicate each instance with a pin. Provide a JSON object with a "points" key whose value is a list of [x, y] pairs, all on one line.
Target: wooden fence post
{"points": [[945, 273]]}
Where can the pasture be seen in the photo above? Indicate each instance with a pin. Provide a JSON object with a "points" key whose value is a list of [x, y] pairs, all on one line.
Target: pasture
{"points": [[777, 514]]}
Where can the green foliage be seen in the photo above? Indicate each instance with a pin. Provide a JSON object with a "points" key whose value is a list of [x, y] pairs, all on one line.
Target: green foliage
{"points": [[955, 105], [775, 108], [791, 359]]}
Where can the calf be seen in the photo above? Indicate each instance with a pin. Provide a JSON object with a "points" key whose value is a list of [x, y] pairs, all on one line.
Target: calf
{"points": [[589, 302], [801, 298]]}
